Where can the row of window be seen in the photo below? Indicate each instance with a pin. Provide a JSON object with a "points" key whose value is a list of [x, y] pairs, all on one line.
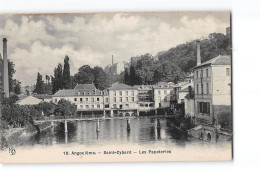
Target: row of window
{"points": [[207, 73], [165, 99], [201, 73], [127, 99], [87, 99], [115, 93], [162, 92], [203, 107], [202, 89]]}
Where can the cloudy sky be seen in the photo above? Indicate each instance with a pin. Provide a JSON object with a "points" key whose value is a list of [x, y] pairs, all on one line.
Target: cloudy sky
{"points": [[37, 43]]}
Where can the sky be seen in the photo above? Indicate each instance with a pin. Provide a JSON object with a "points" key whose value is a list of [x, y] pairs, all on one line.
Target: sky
{"points": [[38, 42]]}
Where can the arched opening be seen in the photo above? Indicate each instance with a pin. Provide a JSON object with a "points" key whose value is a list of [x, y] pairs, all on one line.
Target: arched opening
{"points": [[209, 137], [127, 114], [120, 114]]}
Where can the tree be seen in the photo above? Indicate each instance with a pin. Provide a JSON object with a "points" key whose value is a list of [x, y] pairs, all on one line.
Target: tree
{"points": [[46, 107], [66, 73], [100, 78], [126, 77], [39, 89], [65, 108], [85, 75], [132, 75], [57, 81], [17, 87], [47, 79]]}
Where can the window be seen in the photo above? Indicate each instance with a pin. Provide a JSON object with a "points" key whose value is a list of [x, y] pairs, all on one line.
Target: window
{"points": [[106, 105], [80, 99], [114, 105], [132, 93], [203, 107], [227, 72], [133, 99], [201, 73], [127, 105], [165, 99], [114, 93], [207, 88], [86, 99], [92, 106], [207, 72], [87, 106], [197, 74], [120, 99], [98, 106], [92, 100], [81, 106], [126, 93], [75, 99], [106, 100], [114, 99], [202, 89], [56, 100], [165, 91], [159, 92], [197, 88], [97, 99], [126, 99], [120, 93]]}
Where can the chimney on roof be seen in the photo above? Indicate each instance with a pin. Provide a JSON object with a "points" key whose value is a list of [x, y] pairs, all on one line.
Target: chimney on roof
{"points": [[198, 53], [6, 81], [112, 59]]}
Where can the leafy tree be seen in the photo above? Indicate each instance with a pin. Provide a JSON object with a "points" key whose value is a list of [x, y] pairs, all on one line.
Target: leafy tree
{"points": [[65, 108], [17, 87], [39, 89], [46, 107], [85, 75], [101, 78], [132, 75], [57, 81], [126, 77], [47, 77], [66, 73]]}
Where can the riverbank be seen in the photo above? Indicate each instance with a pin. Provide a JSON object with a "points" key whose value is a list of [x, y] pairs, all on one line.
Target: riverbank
{"points": [[16, 136]]}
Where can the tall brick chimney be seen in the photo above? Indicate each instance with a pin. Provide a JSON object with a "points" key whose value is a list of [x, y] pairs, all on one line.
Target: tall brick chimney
{"points": [[198, 53], [6, 81]]}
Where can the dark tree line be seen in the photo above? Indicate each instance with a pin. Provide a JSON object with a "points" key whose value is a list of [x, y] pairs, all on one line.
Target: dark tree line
{"points": [[174, 64]]}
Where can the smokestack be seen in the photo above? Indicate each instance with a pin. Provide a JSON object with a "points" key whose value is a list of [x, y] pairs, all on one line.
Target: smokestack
{"points": [[6, 81], [198, 53], [112, 59]]}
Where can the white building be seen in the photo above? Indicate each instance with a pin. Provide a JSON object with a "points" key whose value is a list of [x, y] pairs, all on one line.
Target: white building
{"points": [[123, 100], [212, 82]]}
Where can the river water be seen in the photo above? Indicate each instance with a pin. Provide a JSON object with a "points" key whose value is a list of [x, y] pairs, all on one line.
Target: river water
{"points": [[143, 131]]}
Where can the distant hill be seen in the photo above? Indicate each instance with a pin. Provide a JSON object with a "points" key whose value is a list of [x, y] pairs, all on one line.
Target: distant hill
{"points": [[173, 65]]}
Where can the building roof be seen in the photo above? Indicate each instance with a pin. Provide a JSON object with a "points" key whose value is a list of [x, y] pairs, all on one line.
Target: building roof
{"points": [[65, 93], [85, 86], [147, 87], [219, 60], [121, 86], [80, 92], [28, 100], [42, 96]]}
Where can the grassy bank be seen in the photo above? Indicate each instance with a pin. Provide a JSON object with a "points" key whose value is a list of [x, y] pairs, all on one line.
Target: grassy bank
{"points": [[16, 136]]}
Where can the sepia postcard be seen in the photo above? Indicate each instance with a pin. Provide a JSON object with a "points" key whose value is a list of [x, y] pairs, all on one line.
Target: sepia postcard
{"points": [[116, 87]]}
